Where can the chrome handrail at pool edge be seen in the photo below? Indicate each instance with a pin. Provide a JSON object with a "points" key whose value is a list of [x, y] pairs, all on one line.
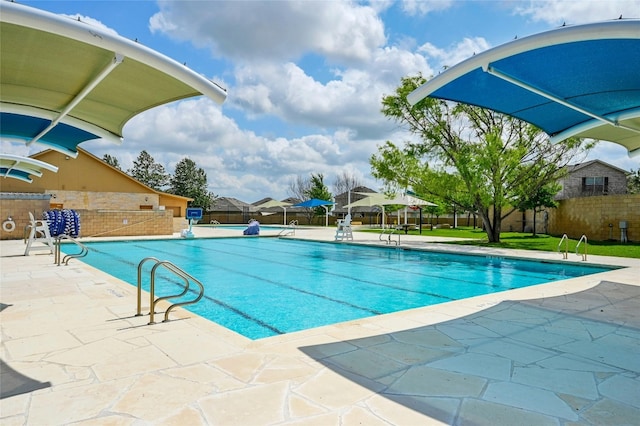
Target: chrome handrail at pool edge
{"points": [[58, 255], [152, 300], [565, 254], [388, 240], [584, 254]]}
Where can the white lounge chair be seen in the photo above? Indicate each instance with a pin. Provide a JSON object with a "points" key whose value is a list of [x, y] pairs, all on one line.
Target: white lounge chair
{"points": [[344, 230], [38, 233]]}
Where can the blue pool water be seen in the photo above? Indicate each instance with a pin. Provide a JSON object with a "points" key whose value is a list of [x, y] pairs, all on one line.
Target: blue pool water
{"points": [[262, 287]]}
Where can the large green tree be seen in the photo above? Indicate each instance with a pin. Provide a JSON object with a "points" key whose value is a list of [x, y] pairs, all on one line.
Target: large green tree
{"points": [[146, 170], [320, 191], [304, 188], [190, 181], [495, 158]]}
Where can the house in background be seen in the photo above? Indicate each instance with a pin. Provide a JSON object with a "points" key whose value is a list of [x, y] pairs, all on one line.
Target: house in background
{"points": [[592, 178], [230, 210]]}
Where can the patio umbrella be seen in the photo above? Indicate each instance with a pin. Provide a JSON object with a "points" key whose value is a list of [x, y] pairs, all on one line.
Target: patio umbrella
{"points": [[315, 202], [379, 199], [275, 203], [574, 81]]}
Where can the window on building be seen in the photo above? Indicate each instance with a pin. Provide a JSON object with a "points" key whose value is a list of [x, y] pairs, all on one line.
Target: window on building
{"points": [[595, 185]]}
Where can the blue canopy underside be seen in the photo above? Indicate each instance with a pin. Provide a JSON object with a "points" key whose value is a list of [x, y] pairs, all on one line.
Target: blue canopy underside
{"points": [[314, 202], [16, 174], [575, 81], [588, 74], [62, 137]]}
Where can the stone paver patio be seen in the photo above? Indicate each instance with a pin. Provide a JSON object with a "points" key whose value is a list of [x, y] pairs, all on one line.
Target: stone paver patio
{"points": [[562, 353]]}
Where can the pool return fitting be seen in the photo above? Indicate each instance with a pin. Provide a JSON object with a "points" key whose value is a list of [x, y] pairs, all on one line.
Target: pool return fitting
{"points": [[152, 299]]}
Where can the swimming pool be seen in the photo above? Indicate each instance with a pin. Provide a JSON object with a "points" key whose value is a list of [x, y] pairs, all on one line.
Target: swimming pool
{"points": [[261, 287]]}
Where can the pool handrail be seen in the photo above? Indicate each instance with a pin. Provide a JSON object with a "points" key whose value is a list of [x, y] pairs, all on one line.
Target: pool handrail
{"points": [[290, 230], [391, 231], [152, 300], [58, 256], [565, 254], [584, 254]]}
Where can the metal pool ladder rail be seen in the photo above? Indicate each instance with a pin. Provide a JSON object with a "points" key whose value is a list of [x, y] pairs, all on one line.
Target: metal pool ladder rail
{"points": [[152, 300], [58, 255], [388, 240], [291, 230], [584, 253], [565, 253]]}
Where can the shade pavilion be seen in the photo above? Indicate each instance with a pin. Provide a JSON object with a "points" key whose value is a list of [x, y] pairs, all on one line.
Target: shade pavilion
{"points": [[575, 81]]}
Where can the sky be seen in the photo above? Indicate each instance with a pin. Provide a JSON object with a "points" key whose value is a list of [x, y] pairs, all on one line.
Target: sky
{"points": [[305, 79]]}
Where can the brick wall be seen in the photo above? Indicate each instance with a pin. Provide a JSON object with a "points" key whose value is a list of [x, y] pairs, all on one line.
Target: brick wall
{"points": [[18, 209], [111, 223], [89, 200], [592, 215], [93, 223]]}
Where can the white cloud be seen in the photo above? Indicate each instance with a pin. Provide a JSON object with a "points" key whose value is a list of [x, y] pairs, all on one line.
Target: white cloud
{"points": [[343, 32], [422, 7], [573, 12], [452, 55], [238, 162], [352, 100]]}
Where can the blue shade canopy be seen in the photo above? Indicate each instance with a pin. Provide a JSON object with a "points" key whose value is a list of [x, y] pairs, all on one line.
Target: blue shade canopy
{"points": [[23, 127], [314, 202], [579, 81], [23, 168], [63, 82]]}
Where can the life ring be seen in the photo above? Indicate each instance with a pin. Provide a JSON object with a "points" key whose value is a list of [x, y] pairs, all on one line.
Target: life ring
{"points": [[8, 225]]}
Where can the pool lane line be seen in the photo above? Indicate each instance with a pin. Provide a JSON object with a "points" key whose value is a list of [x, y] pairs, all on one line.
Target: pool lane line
{"points": [[476, 261], [334, 274], [211, 299], [372, 283], [290, 287], [441, 297], [545, 277]]}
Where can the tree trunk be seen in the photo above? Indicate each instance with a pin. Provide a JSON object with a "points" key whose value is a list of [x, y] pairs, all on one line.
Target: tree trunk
{"points": [[492, 227]]}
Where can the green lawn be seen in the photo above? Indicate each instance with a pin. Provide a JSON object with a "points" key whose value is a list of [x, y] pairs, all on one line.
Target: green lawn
{"points": [[516, 240]]}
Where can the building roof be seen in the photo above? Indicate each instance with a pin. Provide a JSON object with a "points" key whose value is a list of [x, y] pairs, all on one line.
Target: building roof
{"points": [[575, 167], [230, 204]]}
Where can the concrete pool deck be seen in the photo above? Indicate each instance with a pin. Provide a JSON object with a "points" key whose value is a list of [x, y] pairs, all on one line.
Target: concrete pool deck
{"points": [[561, 353]]}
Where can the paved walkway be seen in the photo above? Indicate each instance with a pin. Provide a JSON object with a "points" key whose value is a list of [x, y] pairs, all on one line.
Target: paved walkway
{"points": [[563, 353]]}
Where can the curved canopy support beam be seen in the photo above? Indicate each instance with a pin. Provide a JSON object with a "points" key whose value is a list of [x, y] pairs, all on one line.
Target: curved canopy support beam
{"points": [[22, 168], [117, 60]]}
